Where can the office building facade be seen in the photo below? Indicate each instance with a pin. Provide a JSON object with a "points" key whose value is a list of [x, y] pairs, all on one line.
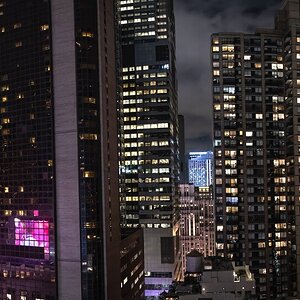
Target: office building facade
{"points": [[197, 224], [256, 151], [200, 168], [150, 166], [59, 165], [132, 264]]}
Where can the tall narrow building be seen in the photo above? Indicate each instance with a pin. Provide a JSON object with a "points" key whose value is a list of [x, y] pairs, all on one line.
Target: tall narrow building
{"points": [[256, 134], [59, 201], [150, 134]]}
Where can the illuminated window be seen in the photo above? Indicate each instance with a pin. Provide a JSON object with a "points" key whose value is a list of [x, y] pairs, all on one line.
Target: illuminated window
{"points": [[88, 136], [164, 143], [220, 246], [89, 174], [162, 74], [229, 89], [5, 120], [215, 41], [228, 48], [20, 96], [17, 25], [257, 65], [164, 170], [44, 27], [280, 66], [162, 125], [232, 191], [217, 107], [87, 34], [218, 180], [5, 88], [162, 91], [164, 161], [18, 44]]}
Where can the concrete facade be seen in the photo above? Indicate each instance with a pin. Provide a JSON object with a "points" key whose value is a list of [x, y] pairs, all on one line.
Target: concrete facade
{"points": [[66, 150]]}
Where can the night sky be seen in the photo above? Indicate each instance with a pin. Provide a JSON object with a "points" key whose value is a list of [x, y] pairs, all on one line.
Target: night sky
{"points": [[196, 20]]}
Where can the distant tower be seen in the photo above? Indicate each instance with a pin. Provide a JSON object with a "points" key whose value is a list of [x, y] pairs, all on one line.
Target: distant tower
{"points": [[200, 168]]}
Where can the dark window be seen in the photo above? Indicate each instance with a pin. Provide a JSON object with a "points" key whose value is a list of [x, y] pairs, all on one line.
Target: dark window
{"points": [[162, 52], [167, 250], [128, 55]]}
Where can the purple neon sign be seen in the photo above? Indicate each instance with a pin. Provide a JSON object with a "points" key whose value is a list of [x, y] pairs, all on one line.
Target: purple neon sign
{"points": [[34, 233]]}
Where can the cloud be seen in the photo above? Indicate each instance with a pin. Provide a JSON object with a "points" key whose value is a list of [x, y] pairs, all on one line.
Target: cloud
{"points": [[196, 20], [201, 143]]}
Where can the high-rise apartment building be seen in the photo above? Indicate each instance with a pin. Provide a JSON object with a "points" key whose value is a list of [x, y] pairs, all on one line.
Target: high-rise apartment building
{"points": [[256, 91], [150, 166], [59, 225], [200, 168], [197, 223]]}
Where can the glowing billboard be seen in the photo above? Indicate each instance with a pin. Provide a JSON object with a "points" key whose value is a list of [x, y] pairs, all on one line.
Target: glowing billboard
{"points": [[34, 233]]}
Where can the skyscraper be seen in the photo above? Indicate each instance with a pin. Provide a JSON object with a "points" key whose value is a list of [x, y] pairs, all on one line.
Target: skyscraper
{"points": [[200, 168], [59, 181], [197, 224], [256, 104], [150, 134]]}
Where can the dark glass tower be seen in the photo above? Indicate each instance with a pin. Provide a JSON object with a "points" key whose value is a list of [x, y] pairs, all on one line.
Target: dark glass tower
{"points": [[150, 134], [59, 181]]}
